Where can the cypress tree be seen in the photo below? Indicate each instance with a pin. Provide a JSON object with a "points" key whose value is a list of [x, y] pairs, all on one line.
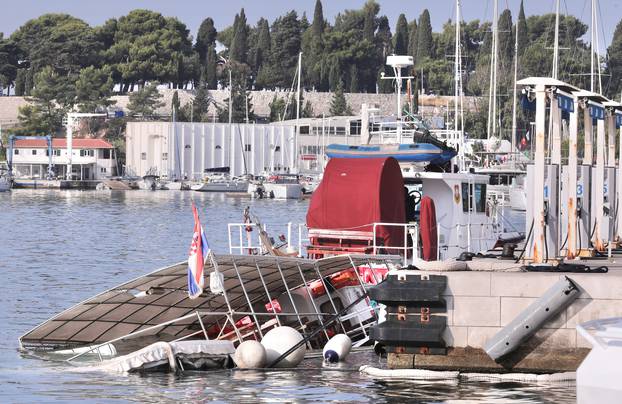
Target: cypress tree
{"points": [[338, 104], [262, 47], [506, 39], [384, 85], [412, 40], [369, 24], [424, 36], [400, 40], [175, 104], [334, 75], [239, 44], [20, 82], [317, 27], [384, 37], [201, 103], [29, 82], [206, 37], [210, 68], [523, 31], [354, 79]]}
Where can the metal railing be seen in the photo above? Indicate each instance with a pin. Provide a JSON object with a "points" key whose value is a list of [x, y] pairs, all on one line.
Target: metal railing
{"points": [[244, 237]]}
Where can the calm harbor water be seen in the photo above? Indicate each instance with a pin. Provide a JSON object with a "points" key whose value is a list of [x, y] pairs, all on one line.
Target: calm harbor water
{"points": [[60, 247]]}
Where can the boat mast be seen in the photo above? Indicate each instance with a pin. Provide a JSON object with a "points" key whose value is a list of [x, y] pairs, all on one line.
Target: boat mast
{"points": [[295, 153], [556, 43], [492, 91], [458, 130], [514, 151]]}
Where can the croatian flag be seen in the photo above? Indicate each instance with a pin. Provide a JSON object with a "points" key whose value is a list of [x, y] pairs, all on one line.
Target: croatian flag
{"points": [[196, 259]]}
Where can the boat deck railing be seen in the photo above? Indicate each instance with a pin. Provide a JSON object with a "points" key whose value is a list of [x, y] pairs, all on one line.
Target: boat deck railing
{"points": [[244, 238]]}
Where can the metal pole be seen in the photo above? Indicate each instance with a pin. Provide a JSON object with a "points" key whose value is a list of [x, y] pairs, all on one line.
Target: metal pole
{"points": [[514, 151], [537, 243], [556, 44], [248, 300], [573, 126], [598, 185]]}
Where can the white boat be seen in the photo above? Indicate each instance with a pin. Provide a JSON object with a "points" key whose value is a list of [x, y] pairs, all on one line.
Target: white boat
{"points": [[283, 186], [5, 183], [599, 375], [222, 182]]}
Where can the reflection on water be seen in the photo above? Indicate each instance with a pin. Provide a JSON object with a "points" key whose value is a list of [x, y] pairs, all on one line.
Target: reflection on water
{"points": [[60, 247]]}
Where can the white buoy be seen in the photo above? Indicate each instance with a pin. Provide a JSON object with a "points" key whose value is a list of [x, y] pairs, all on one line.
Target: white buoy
{"points": [[278, 341], [250, 355], [337, 348]]}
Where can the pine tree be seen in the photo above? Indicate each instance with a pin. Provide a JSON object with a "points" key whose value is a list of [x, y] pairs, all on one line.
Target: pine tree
{"points": [[369, 24], [338, 104], [523, 31], [239, 44], [20, 82], [209, 73], [400, 40], [206, 37], [145, 101], [412, 40], [424, 36]]}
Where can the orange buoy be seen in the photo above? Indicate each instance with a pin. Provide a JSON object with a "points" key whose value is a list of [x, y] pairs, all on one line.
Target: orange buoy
{"points": [[429, 236]]}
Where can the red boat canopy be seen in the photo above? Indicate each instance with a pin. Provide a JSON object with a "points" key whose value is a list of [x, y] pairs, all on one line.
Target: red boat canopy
{"points": [[355, 193]]}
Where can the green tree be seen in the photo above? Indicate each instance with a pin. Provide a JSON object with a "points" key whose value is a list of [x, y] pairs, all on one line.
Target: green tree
{"points": [[334, 75], [424, 37], [206, 38], [277, 107], [148, 47], [47, 108], [261, 49], [8, 63], [286, 39], [94, 89], [241, 99], [144, 102], [239, 44], [412, 39], [383, 37], [400, 39], [354, 79], [58, 40], [202, 101], [313, 48], [523, 33], [369, 22], [615, 62], [506, 38], [210, 71], [175, 105], [20, 82], [338, 104]]}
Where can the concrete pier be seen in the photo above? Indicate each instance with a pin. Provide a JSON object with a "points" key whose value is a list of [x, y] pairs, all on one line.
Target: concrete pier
{"points": [[480, 304]]}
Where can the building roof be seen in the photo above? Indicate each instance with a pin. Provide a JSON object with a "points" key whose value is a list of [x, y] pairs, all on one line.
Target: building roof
{"points": [[62, 143]]}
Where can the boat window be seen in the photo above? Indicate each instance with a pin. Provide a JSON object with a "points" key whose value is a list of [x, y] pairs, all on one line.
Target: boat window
{"points": [[164, 156], [247, 147], [466, 194], [217, 147], [480, 197]]}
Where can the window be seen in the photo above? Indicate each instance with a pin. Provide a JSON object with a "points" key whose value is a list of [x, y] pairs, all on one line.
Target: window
{"points": [[106, 154], [87, 153], [164, 156], [187, 146], [277, 148], [56, 152], [466, 195], [102, 169], [480, 197], [34, 152], [47, 152], [143, 156], [16, 152], [217, 147], [247, 147]]}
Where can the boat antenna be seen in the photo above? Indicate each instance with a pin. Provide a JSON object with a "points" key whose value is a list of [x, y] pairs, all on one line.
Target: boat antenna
{"points": [[514, 151]]}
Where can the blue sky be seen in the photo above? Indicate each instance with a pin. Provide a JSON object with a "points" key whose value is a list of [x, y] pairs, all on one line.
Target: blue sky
{"points": [[192, 12]]}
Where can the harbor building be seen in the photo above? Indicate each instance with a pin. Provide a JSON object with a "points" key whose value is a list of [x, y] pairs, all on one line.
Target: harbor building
{"points": [[184, 150], [92, 159]]}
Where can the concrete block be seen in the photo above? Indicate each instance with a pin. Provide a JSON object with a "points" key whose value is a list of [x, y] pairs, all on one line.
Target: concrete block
{"points": [[511, 307], [455, 336], [599, 286], [468, 283], [477, 336], [449, 300], [521, 284], [548, 338], [476, 311], [582, 310]]}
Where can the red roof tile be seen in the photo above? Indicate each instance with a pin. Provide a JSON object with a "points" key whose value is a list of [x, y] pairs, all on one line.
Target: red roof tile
{"points": [[62, 144]]}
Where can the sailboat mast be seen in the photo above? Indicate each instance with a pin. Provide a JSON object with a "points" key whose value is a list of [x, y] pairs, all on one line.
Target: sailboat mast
{"points": [[458, 131], [496, 64], [295, 154], [514, 151], [592, 47], [556, 43], [492, 89]]}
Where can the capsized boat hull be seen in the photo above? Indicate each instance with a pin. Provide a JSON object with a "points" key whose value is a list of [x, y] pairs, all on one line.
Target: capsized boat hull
{"points": [[415, 153]]}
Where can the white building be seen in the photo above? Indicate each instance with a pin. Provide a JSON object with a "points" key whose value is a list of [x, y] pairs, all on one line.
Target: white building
{"points": [[92, 159], [185, 149]]}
